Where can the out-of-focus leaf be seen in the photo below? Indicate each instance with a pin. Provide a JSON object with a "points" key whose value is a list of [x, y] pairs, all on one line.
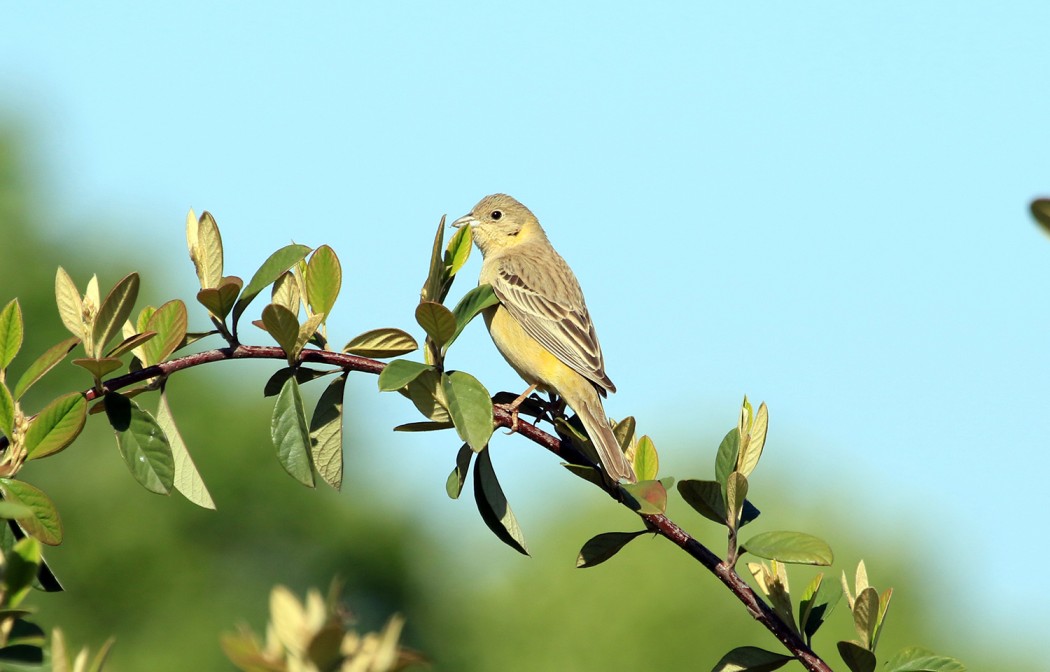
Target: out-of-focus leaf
{"points": [[283, 326], [43, 523], [21, 565], [437, 320], [7, 412], [400, 372], [169, 321], [472, 303], [725, 461], [791, 547], [55, 427], [454, 484], [431, 290], [277, 263], [470, 406], [291, 434], [601, 547], [142, 443], [187, 480], [130, 343], [647, 497], [326, 433], [1041, 212], [12, 511], [10, 332], [99, 368], [286, 292], [646, 461], [70, 306], [324, 277], [751, 659], [493, 506], [220, 300], [113, 312], [381, 343], [918, 659], [458, 250], [44, 363], [856, 657], [816, 604], [302, 375]]}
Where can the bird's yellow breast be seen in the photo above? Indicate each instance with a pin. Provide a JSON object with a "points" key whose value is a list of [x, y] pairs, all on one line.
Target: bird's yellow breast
{"points": [[532, 361]]}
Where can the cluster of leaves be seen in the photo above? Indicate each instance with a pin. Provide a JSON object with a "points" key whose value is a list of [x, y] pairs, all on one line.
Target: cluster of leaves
{"points": [[316, 636]]}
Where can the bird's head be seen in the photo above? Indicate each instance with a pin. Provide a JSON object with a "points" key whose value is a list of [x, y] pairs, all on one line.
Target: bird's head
{"points": [[499, 221]]}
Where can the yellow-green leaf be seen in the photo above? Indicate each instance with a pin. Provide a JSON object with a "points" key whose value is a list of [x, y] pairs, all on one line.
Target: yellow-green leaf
{"points": [[44, 363], [307, 331], [188, 480], [456, 479], [725, 461], [427, 393], [326, 433], [141, 443], [458, 250], [470, 406], [646, 461], [220, 300], [283, 326], [791, 547], [381, 343], [472, 303], [206, 252], [736, 491], [57, 426], [7, 412], [431, 290], [437, 320], [856, 657], [601, 547], [271, 269], [324, 277], [751, 449], [624, 433], [99, 368], [130, 343], [43, 523], [285, 292], [400, 373], [169, 321], [70, 306], [751, 659], [114, 310], [646, 497], [10, 332], [291, 434]]}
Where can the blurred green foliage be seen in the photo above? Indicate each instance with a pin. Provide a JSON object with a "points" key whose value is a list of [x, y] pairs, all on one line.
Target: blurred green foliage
{"points": [[168, 578]]}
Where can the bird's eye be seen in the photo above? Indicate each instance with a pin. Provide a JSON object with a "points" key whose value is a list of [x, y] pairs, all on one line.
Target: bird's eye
{"points": [[496, 214]]}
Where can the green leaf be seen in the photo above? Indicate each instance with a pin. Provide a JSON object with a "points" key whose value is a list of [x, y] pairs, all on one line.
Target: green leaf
{"points": [[470, 406], [206, 250], [188, 480], [458, 250], [10, 332], [427, 393], [70, 305], [113, 312], [326, 433], [324, 277], [285, 292], [736, 491], [142, 443], [493, 506], [725, 462], [624, 432], [277, 263], [646, 461], [428, 426], [99, 368], [399, 373], [130, 343], [791, 547], [751, 659], [436, 276], [918, 659], [22, 563], [307, 331], [44, 363], [1041, 212], [437, 320], [13, 511], [57, 426], [601, 547], [302, 375], [454, 484], [291, 434], [589, 474], [816, 604], [220, 300], [472, 303], [856, 657], [43, 523], [282, 324], [169, 321], [381, 343], [646, 497], [756, 441], [866, 615], [7, 412], [705, 497]]}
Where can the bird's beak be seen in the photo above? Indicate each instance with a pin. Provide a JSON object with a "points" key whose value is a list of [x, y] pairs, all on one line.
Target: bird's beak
{"points": [[465, 219]]}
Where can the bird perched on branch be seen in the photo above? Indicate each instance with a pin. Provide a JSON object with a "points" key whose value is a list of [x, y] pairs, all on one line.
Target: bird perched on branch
{"points": [[541, 325]]}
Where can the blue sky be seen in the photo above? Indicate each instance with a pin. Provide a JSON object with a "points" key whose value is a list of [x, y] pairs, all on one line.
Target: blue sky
{"points": [[822, 206]]}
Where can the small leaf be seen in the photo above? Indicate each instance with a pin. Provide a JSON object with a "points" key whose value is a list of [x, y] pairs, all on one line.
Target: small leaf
{"points": [[751, 659], [1041, 212], [113, 312], [624, 433], [458, 250], [791, 547], [470, 406], [472, 303], [141, 443], [381, 343], [646, 461], [55, 427], [130, 343], [816, 604], [70, 306], [44, 363], [454, 484], [601, 547], [302, 375], [324, 276], [291, 434], [206, 253], [865, 615], [647, 497], [437, 320], [725, 462], [10, 332], [856, 657], [43, 523], [493, 506], [282, 324], [918, 659], [286, 292], [99, 368], [428, 396], [589, 474], [423, 426], [436, 276], [399, 373], [220, 300], [736, 491], [7, 413], [756, 441], [276, 264], [169, 321], [705, 497], [326, 433], [187, 479], [307, 331], [884, 605]]}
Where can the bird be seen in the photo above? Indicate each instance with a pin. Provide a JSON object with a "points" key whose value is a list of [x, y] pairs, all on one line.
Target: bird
{"points": [[541, 325]]}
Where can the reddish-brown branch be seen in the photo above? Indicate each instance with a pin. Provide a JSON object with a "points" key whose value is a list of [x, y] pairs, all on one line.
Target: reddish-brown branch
{"points": [[660, 524]]}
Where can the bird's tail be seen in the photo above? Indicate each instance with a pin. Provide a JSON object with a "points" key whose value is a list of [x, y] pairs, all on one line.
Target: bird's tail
{"points": [[597, 425]]}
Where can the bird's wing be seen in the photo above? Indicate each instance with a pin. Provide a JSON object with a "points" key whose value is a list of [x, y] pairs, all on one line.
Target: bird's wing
{"points": [[545, 298]]}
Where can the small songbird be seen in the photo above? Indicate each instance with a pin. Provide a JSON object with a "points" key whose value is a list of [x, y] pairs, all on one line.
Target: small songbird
{"points": [[541, 325]]}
